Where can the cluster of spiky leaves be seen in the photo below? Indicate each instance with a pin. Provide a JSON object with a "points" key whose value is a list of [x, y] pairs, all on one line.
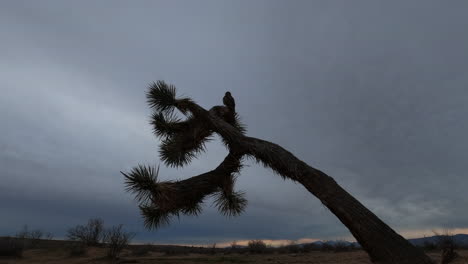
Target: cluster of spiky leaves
{"points": [[228, 201], [159, 201], [161, 96], [141, 181], [166, 125], [181, 142], [155, 217], [181, 148]]}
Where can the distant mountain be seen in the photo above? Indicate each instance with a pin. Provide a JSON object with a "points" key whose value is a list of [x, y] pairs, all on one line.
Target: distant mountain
{"points": [[460, 240], [332, 243]]}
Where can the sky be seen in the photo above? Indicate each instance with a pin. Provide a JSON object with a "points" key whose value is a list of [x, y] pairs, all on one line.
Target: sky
{"points": [[374, 93]]}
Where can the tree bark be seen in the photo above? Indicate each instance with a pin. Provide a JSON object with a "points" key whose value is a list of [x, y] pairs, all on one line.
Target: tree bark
{"points": [[381, 242], [198, 187], [175, 195]]}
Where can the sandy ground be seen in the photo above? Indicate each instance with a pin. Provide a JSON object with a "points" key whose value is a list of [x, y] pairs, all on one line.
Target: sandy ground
{"points": [[96, 255]]}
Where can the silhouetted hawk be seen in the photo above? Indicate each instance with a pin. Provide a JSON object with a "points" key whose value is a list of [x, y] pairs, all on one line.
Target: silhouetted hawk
{"points": [[229, 102]]}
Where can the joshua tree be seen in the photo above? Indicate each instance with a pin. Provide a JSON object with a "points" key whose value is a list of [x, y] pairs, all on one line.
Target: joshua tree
{"points": [[183, 139]]}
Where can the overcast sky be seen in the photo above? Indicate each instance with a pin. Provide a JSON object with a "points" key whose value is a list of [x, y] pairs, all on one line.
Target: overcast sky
{"points": [[374, 93]]}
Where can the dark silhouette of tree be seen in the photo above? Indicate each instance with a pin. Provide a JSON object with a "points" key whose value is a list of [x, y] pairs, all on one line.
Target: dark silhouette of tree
{"points": [[116, 240], [90, 234], [183, 139]]}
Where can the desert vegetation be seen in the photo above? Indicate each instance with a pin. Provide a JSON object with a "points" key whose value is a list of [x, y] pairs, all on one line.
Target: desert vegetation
{"points": [[182, 139], [91, 234], [94, 234], [93, 242], [447, 244], [24, 239], [114, 240], [257, 251], [257, 246]]}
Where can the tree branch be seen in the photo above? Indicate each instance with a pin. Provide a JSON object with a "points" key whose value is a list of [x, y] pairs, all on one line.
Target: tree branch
{"points": [[159, 201], [377, 238], [172, 198]]}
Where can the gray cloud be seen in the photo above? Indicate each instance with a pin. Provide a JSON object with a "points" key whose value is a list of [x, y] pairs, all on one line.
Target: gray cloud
{"points": [[373, 93]]}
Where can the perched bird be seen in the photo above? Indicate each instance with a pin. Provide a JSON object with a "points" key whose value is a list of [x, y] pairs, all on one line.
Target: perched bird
{"points": [[229, 102]]}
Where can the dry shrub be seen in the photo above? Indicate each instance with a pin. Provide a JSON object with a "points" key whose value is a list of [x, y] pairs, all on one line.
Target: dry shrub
{"points": [[29, 238], [311, 247], [342, 246], [48, 236], [327, 246], [429, 245], [116, 241], [212, 250], [447, 244], [257, 246], [90, 234], [293, 248]]}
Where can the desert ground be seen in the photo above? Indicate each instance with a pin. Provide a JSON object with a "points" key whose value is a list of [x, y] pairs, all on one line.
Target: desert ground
{"points": [[97, 255]]}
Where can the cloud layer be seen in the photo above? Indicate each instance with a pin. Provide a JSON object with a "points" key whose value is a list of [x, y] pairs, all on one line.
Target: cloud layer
{"points": [[375, 94]]}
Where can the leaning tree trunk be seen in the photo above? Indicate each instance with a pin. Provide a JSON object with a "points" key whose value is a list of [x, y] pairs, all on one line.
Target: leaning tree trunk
{"points": [[380, 241], [383, 245]]}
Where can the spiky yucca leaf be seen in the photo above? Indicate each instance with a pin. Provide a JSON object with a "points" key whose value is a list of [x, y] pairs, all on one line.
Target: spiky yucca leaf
{"points": [[167, 124], [174, 154], [182, 148], [193, 208], [161, 96], [141, 181], [155, 217], [230, 203]]}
